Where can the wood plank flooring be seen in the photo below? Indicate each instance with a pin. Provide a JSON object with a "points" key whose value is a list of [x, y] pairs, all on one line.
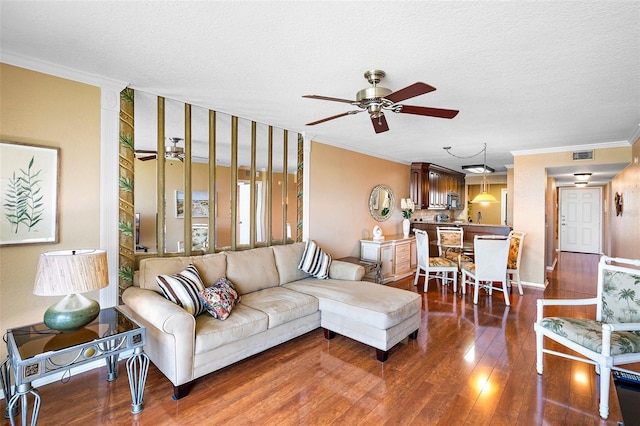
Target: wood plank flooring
{"points": [[471, 364]]}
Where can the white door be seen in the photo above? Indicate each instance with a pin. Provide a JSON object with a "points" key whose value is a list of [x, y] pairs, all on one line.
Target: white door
{"points": [[581, 220]]}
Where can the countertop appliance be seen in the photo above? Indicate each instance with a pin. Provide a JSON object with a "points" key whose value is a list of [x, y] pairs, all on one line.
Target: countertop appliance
{"points": [[442, 217]]}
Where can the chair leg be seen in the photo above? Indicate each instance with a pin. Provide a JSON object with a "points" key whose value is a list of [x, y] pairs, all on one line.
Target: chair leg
{"points": [[505, 291], [605, 373], [519, 282], [475, 291], [415, 281], [455, 281], [539, 354]]}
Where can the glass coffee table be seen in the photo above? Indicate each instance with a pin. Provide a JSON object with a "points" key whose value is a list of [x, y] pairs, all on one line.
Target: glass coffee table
{"points": [[36, 351]]}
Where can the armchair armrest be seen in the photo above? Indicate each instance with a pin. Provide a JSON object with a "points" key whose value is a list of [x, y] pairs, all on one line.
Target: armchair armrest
{"points": [[340, 270], [562, 302]]}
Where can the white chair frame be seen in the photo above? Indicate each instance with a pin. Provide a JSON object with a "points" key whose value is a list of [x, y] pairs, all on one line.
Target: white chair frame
{"points": [[514, 274], [491, 253], [603, 360], [424, 261]]}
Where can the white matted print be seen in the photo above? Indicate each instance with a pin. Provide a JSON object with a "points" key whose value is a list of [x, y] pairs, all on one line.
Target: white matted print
{"points": [[199, 204], [29, 193]]}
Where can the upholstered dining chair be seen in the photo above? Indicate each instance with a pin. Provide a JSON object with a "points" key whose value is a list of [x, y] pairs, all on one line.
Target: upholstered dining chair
{"points": [[515, 254], [609, 340], [433, 267], [490, 265], [451, 244]]}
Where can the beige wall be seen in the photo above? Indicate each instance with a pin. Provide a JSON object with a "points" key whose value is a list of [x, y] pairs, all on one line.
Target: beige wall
{"points": [[340, 182], [530, 201], [45, 110], [625, 229]]}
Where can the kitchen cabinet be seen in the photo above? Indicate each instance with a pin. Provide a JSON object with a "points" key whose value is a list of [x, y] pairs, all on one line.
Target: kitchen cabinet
{"points": [[396, 253], [431, 184]]}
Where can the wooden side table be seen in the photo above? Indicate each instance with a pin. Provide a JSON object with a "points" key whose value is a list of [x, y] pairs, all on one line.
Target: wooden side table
{"points": [[373, 268]]}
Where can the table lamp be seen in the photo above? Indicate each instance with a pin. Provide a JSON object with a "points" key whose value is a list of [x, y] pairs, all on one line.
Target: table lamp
{"points": [[68, 273]]}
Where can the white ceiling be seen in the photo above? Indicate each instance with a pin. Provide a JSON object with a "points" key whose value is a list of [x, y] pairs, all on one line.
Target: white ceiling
{"points": [[525, 75]]}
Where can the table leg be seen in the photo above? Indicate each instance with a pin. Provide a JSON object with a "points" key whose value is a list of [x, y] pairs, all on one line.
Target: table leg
{"points": [[21, 394], [7, 388], [112, 367], [137, 368]]}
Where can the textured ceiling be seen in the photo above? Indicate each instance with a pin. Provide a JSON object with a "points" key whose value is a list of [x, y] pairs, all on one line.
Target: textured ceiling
{"points": [[524, 75]]}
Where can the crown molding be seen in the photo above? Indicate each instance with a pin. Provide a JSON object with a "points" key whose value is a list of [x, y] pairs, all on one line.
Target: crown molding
{"points": [[18, 60], [635, 136], [603, 145]]}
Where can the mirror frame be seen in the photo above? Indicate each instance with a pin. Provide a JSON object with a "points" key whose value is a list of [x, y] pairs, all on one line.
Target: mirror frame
{"points": [[373, 198]]}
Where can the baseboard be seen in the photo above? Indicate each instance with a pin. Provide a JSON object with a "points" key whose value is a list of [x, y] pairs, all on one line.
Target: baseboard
{"points": [[535, 285], [553, 265], [74, 371]]}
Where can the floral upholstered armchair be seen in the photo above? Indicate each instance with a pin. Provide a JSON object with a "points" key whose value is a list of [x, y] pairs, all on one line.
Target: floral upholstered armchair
{"points": [[613, 338]]}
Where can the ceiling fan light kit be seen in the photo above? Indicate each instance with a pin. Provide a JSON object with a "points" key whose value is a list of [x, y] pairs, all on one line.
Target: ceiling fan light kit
{"points": [[172, 152], [376, 99]]}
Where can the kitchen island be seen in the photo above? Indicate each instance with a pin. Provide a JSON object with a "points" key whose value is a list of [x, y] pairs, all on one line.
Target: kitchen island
{"points": [[470, 230]]}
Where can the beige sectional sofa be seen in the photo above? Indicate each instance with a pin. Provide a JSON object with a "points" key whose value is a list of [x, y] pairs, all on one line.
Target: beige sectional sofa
{"points": [[278, 302]]}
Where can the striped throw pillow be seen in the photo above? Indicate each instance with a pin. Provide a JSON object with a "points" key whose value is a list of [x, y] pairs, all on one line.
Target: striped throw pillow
{"points": [[183, 289], [315, 261]]}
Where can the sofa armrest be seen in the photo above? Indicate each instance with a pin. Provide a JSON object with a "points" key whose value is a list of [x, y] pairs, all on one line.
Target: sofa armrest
{"points": [[171, 332], [340, 270]]}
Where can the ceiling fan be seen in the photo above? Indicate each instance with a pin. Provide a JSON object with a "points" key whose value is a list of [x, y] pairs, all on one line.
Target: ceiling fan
{"points": [[170, 152], [376, 99]]}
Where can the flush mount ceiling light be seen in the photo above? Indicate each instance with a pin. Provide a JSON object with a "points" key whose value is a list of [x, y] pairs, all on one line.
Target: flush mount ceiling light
{"points": [[582, 176], [581, 184], [478, 168]]}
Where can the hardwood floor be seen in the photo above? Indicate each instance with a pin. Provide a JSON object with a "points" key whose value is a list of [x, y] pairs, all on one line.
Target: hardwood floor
{"points": [[469, 365]]}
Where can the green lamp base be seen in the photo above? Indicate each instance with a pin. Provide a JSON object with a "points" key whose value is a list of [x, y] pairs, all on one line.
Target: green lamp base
{"points": [[71, 313]]}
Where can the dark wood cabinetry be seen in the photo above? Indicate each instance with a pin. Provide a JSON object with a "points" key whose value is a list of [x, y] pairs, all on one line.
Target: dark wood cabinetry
{"points": [[430, 185]]}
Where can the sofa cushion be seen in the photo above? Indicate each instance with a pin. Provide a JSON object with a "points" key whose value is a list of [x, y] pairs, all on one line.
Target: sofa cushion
{"points": [[245, 322], [252, 270], [220, 299], [287, 260], [281, 304], [210, 266], [315, 261], [374, 304], [183, 289]]}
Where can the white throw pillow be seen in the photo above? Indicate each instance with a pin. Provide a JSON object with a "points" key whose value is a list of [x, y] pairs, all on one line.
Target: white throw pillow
{"points": [[315, 261]]}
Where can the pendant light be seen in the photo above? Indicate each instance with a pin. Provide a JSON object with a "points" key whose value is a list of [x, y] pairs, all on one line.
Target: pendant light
{"points": [[484, 196]]}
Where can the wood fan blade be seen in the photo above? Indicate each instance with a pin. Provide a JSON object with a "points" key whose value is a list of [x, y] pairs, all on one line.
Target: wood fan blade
{"points": [[145, 151], [416, 89], [327, 98], [431, 112], [333, 116], [150, 157], [380, 124]]}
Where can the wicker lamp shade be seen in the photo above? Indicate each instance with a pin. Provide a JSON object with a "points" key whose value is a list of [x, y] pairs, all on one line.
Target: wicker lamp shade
{"points": [[68, 273], [71, 271]]}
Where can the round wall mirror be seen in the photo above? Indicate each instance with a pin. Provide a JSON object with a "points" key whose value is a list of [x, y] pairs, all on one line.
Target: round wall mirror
{"points": [[381, 203]]}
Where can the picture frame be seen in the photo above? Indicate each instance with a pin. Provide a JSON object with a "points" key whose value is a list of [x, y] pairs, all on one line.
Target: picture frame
{"points": [[199, 204], [199, 237], [29, 179]]}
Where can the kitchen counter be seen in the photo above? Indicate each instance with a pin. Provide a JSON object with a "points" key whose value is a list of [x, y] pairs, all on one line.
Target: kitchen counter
{"points": [[470, 230]]}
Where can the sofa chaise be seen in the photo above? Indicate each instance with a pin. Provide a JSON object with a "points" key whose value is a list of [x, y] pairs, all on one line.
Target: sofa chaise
{"points": [[278, 302]]}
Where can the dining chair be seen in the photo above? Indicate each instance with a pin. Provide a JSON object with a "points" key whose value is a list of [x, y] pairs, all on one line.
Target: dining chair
{"points": [[451, 244], [515, 254], [490, 265], [433, 267], [609, 340]]}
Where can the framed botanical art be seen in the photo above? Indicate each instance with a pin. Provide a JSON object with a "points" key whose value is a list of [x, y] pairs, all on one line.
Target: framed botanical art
{"points": [[29, 191]]}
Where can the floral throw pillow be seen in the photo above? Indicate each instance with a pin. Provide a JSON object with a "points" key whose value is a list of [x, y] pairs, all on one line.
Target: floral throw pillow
{"points": [[183, 288], [220, 299]]}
